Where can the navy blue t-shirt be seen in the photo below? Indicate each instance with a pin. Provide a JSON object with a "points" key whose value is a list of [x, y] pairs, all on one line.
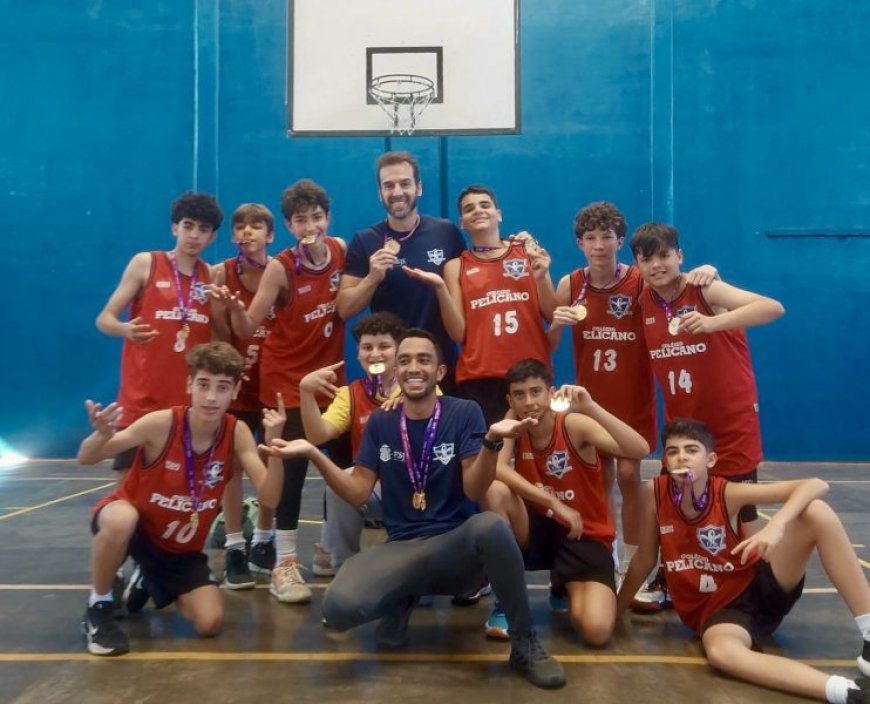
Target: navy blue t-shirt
{"points": [[433, 243], [446, 504]]}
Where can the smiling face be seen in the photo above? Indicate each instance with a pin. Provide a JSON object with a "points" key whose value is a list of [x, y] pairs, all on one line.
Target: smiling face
{"points": [[398, 190], [378, 349], [529, 398], [661, 269], [478, 214], [309, 223], [418, 368]]}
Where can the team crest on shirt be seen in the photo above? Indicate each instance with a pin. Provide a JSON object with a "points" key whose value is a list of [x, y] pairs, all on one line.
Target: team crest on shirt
{"points": [[558, 465], [436, 256], [201, 292], [515, 268], [684, 310], [213, 474], [334, 279], [385, 453], [712, 539], [619, 306], [443, 452]]}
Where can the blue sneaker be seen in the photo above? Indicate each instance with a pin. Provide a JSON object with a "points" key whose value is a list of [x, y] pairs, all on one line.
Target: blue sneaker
{"points": [[558, 604], [496, 625]]}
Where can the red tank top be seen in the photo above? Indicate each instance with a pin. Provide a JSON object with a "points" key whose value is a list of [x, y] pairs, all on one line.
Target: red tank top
{"points": [[161, 494], [610, 357], [249, 347], [702, 575], [707, 377], [559, 470], [154, 375], [361, 408], [503, 321], [307, 333]]}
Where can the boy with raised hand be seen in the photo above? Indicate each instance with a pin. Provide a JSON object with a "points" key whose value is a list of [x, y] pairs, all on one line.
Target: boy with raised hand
{"points": [[551, 489], [161, 513], [732, 591]]}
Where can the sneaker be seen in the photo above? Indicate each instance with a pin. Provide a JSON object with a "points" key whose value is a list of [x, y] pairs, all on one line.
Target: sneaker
{"points": [[864, 659], [135, 595], [496, 625], [321, 565], [261, 559], [287, 583], [860, 695], [531, 659], [118, 586], [392, 630], [236, 572], [105, 637], [558, 604], [653, 597], [471, 598]]}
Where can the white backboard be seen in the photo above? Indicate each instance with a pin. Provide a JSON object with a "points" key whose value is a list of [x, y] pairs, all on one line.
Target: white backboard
{"points": [[467, 49]]}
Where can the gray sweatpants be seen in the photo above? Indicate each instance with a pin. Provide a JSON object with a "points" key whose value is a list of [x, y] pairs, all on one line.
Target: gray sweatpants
{"points": [[344, 524]]}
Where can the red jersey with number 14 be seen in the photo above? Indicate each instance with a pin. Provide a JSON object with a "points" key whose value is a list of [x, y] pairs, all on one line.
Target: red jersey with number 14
{"points": [[703, 576], [610, 357], [707, 377], [161, 493], [503, 321]]}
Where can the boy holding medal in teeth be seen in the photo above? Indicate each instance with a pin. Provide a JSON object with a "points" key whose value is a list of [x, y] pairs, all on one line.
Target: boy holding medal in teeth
{"points": [[162, 511], [734, 591]]}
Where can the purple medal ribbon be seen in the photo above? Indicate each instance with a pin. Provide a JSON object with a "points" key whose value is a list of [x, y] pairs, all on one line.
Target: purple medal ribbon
{"points": [[487, 248], [677, 490], [189, 465], [419, 473], [252, 262], [186, 309], [399, 238], [586, 275]]}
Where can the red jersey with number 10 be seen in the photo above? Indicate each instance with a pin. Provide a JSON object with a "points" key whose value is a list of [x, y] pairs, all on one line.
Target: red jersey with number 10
{"points": [[702, 574], [161, 493], [707, 377], [503, 321]]}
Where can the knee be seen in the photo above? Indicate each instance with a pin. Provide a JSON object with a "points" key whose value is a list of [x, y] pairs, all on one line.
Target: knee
{"points": [[818, 512], [627, 476], [491, 529], [497, 498], [209, 624], [717, 654], [596, 632], [340, 607], [118, 521]]}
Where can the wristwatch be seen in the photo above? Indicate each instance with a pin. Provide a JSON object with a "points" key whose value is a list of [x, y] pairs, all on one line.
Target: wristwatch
{"points": [[495, 446]]}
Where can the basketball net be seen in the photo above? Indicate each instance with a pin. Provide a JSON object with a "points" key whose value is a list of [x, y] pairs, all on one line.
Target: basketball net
{"points": [[403, 97]]}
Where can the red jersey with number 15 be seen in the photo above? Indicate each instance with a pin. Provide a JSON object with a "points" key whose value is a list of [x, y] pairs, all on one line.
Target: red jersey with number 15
{"points": [[610, 357], [707, 377], [703, 577], [161, 493], [503, 321]]}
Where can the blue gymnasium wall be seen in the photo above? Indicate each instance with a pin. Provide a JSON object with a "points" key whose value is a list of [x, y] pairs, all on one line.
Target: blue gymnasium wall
{"points": [[729, 119]]}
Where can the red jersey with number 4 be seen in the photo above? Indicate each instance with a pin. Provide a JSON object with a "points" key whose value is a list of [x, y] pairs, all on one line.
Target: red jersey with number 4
{"points": [[154, 375], [707, 377], [702, 575], [610, 357], [307, 333], [160, 491], [249, 347], [503, 321], [559, 470]]}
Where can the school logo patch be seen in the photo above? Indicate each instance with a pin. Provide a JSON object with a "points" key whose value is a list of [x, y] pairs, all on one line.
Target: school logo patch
{"points": [[213, 474], [200, 292], [558, 465], [712, 538], [385, 453], [443, 452], [436, 256], [515, 268], [334, 279], [619, 306], [683, 310]]}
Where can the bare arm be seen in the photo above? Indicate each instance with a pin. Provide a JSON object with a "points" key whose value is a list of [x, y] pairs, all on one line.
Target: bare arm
{"points": [[220, 318], [734, 308], [560, 316], [479, 471], [593, 425], [355, 293], [541, 261], [647, 552], [132, 282], [317, 429], [150, 430], [267, 479], [273, 283]]}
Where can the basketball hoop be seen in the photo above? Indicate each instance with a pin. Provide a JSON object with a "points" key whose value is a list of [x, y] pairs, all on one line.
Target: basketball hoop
{"points": [[403, 97]]}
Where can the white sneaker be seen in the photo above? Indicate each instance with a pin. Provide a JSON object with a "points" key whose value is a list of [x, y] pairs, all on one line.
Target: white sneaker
{"points": [[321, 565], [287, 583]]}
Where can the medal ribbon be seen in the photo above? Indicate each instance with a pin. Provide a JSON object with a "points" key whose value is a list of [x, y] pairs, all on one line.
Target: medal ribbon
{"points": [[487, 248], [666, 305], [186, 309], [586, 272], [399, 237], [677, 489], [419, 473], [252, 262], [189, 464]]}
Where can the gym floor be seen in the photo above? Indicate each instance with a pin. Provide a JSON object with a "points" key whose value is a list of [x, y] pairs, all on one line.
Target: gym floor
{"points": [[270, 651]]}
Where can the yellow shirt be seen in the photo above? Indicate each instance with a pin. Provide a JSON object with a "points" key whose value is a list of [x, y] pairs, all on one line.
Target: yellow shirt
{"points": [[338, 413]]}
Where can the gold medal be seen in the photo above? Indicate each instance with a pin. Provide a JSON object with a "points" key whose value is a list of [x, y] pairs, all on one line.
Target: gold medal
{"points": [[194, 519], [392, 246], [418, 500], [377, 368], [579, 311], [674, 326], [559, 404], [179, 342]]}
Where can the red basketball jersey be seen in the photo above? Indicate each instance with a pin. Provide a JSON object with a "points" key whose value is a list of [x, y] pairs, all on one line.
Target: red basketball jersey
{"points": [[559, 470], [361, 408], [249, 347], [503, 321], [161, 493], [702, 575], [610, 357], [707, 377], [307, 333], [154, 375]]}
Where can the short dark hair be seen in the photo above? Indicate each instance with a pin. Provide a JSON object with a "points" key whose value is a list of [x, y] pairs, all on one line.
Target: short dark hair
{"points": [[528, 368], [654, 238], [382, 323], [254, 213], [599, 216], [393, 158], [216, 358], [475, 188], [426, 335], [691, 429], [303, 194], [197, 206]]}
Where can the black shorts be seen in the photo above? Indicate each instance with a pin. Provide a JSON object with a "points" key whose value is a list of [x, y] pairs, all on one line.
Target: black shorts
{"points": [[761, 607], [748, 513], [165, 575], [584, 560], [125, 460], [490, 394]]}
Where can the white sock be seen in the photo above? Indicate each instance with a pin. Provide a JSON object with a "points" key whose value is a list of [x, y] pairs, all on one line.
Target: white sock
{"points": [[837, 689], [94, 597], [628, 552], [261, 536], [235, 541], [285, 544], [863, 622], [615, 553]]}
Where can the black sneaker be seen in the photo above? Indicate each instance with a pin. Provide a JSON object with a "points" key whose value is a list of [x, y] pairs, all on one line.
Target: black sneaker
{"points": [[118, 586], [392, 631], [860, 695], [471, 598], [262, 557], [135, 595], [864, 659], [531, 659], [105, 637], [236, 572]]}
